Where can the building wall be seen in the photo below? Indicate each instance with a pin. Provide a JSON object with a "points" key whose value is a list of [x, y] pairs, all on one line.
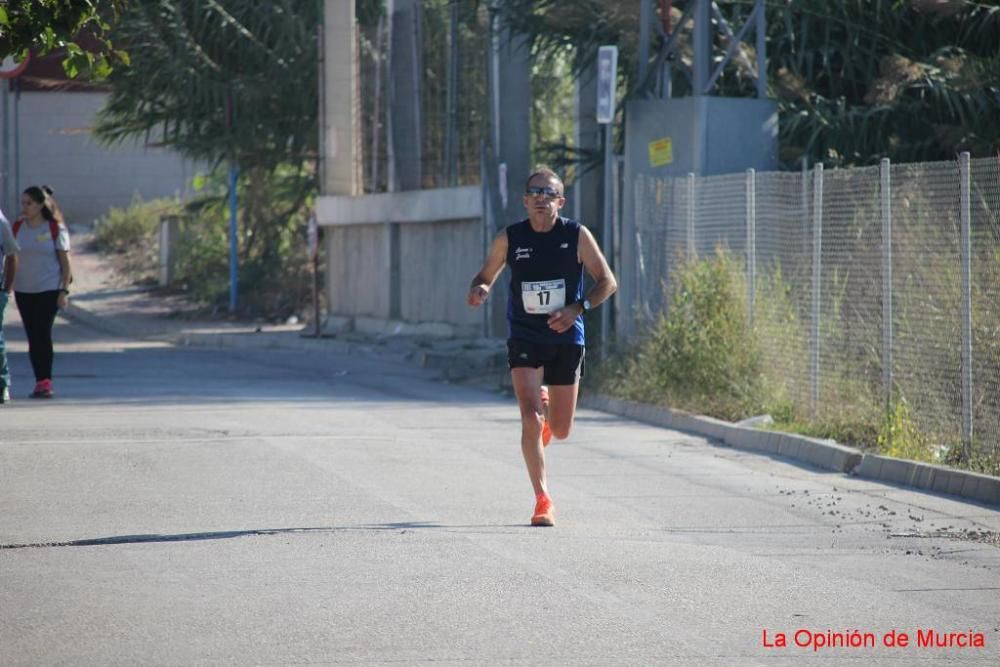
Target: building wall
{"points": [[437, 262], [56, 147], [357, 271], [405, 256]]}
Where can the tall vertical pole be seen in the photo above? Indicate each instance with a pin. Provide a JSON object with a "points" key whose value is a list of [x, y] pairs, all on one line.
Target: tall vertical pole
{"points": [[966, 227], [645, 19], [17, 137], [607, 79], [451, 120], [608, 214], [5, 167], [886, 201], [817, 274], [761, 49], [751, 214], [702, 46], [233, 257], [233, 241], [804, 217], [376, 102]]}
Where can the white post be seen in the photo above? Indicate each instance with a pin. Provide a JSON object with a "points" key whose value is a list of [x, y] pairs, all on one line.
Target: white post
{"points": [[886, 201], [966, 216], [817, 273]]}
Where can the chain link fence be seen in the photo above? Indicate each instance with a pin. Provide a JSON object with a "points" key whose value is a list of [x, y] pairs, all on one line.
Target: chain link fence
{"points": [[424, 94], [861, 295]]}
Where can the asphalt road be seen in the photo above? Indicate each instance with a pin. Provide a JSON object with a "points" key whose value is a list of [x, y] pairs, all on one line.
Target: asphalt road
{"points": [[189, 506]]}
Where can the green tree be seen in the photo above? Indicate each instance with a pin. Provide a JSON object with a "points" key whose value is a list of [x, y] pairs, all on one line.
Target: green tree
{"points": [[44, 26], [228, 82], [856, 80]]}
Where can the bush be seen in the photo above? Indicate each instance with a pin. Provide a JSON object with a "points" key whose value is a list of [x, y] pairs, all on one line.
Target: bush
{"points": [[124, 229], [703, 355], [130, 235], [274, 274]]}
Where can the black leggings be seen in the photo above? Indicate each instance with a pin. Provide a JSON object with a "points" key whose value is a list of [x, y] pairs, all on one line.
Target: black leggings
{"points": [[38, 313]]}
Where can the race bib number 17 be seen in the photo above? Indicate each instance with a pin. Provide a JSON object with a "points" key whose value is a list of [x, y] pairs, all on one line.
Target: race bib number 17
{"points": [[541, 298]]}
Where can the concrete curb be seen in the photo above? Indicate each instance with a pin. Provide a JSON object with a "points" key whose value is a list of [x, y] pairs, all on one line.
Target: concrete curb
{"points": [[104, 324], [929, 477], [823, 454]]}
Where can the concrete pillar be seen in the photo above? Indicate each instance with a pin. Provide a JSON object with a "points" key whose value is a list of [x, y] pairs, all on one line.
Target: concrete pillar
{"points": [[340, 139], [514, 88], [339, 103], [588, 201], [406, 50]]}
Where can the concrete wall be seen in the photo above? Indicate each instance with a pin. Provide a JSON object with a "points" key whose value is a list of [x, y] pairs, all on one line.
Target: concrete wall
{"points": [[437, 261], [57, 148], [357, 271], [404, 257]]}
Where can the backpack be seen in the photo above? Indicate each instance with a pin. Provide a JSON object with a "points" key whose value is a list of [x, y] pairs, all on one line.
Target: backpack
{"points": [[53, 228]]}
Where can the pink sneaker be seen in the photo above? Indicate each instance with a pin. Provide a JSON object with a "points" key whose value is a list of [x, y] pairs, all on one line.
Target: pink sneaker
{"points": [[544, 513], [43, 389]]}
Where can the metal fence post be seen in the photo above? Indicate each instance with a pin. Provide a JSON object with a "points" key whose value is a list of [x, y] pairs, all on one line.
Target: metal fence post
{"points": [[751, 200], [885, 195], [816, 292], [690, 217], [805, 206], [966, 216]]}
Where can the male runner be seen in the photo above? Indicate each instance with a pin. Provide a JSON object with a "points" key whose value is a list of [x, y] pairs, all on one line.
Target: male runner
{"points": [[546, 254]]}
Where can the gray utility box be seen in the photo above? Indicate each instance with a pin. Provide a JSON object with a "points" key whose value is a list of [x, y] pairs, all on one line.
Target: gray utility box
{"points": [[708, 136]]}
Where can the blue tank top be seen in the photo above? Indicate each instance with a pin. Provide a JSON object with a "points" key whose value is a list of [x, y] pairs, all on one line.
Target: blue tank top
{"points": [[545, 275]]}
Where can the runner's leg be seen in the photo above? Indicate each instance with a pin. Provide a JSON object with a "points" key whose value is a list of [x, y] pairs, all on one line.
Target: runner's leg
{"points": [[562, 408], [527, 387]]}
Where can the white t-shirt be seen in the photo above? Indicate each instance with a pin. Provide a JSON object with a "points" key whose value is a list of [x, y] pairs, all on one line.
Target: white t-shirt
{"points": [[37, 264], [8, 244]]}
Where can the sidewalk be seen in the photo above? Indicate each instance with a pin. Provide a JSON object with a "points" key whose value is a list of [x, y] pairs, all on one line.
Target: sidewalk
{"points": [[101, 300]]}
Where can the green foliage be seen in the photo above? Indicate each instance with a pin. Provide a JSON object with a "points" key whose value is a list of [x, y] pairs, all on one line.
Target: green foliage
{"points": [[858, 81], [899, 436], [703, 355], [855, 80], [123, 229], [43, 26], [129, 236], [230, 80], [274, 279]]}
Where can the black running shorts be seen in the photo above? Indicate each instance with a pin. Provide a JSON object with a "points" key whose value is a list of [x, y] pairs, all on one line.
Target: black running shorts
{"points": [[563, 364]]}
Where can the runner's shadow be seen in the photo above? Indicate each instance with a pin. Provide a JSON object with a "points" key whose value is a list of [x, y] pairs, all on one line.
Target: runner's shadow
{"points": [[231, 534]]}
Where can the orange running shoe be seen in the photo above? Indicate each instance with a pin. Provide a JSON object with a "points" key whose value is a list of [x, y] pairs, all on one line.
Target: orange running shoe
{"points": [[546, 429], [544, 514]]}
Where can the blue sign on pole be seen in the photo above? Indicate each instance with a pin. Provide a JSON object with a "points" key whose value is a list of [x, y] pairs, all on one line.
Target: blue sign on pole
{"points": [[607, 75]]}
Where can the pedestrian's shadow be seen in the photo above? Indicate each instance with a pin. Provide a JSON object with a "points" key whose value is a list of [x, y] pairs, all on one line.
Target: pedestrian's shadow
{"points": [[400, 527]]}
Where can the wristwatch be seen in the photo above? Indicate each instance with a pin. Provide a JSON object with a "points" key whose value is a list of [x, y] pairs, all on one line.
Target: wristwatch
{"points": [[585, 304]]}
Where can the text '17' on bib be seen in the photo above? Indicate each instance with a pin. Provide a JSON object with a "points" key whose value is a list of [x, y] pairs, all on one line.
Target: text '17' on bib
{"points": [[544, 297]]}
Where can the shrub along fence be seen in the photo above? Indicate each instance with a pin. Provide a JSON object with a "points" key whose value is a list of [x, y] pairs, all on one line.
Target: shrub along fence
{"points": [[871, 291]]}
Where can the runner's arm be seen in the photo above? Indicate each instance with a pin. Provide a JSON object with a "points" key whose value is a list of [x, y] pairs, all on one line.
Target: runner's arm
{"points": [[604, 286], [597, 266], [479, 289]]}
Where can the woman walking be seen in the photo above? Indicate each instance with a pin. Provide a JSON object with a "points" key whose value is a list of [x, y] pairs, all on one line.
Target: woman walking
{"points": [[41, 286]]}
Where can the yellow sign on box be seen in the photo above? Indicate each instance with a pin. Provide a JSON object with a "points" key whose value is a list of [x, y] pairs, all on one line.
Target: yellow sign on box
{"points": [[661, 152]]}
